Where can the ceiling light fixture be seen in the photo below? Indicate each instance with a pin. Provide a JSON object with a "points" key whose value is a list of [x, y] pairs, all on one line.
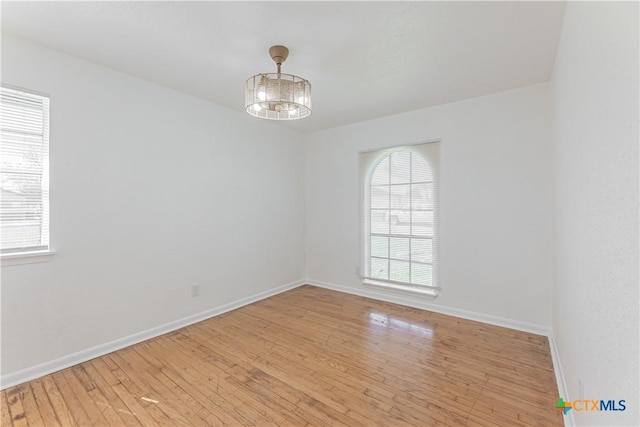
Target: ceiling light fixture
{"points": [[278, 96]]}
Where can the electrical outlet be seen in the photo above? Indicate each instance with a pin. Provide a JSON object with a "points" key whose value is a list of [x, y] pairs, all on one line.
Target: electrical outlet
{"points": [[195, 290]]}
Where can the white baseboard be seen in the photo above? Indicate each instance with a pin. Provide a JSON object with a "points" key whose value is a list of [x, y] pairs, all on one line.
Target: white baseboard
{"points": [[470, 315], [563, 392], [398, 298], [37, 371]]}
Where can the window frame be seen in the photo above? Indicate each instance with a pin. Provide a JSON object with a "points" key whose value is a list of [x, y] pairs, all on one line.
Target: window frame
{"points": [[369, 161], [42, 252]]}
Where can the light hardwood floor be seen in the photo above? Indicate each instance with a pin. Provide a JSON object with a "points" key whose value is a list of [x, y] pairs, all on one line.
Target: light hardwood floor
{"points": [[309, 356]]}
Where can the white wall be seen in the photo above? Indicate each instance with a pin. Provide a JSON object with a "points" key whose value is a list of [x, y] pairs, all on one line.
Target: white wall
{"points": [[495, 201], [595, 300], [151, 190]]}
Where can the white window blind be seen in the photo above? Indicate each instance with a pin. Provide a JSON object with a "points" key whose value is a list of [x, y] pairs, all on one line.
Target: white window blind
{"points": [[24, 171], [400, 189]]}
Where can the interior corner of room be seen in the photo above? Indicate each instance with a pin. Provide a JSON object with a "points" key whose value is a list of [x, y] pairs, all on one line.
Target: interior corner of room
{"points": [[171, 205]]}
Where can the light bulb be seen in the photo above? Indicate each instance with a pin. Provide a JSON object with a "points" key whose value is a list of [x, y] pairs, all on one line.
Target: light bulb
{"points": [[256, 107], [262, 96]]}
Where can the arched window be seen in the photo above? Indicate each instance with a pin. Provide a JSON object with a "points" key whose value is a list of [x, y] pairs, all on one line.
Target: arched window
{"points": [[400, 218]]}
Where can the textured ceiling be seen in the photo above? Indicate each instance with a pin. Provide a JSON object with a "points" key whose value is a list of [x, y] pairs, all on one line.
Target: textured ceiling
{"points": [[364, 59]]}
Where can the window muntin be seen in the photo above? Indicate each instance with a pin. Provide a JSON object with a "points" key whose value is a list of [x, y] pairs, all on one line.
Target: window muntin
{"points": [[24, 171]]}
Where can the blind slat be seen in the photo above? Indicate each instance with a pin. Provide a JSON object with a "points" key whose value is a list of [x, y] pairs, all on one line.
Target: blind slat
{"points": [[24, 150], [400, 215]]}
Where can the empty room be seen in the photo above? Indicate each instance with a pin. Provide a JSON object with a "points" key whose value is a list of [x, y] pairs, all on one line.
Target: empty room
{"points": [[319, 213]]}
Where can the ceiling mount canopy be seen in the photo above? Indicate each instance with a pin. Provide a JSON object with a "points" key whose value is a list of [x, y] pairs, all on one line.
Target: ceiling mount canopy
{"points": [[278, 96]]}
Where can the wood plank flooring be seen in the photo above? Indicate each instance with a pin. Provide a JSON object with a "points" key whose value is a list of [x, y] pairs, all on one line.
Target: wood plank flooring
{"points": [[309, 356]]}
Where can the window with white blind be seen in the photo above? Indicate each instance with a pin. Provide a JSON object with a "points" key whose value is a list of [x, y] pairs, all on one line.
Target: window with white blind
{"points": [[400, 218], [24, 172]]}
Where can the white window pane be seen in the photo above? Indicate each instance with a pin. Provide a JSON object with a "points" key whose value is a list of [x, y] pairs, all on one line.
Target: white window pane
{"points": [[422, 250], [400, 222], [15, 234], [401, 206], [380, 246], [422, 218], [380, 196], [422, 230], [379, 221], [381, 173], [421, 274], [420, 170], [24, 149], [400, 167], [399, 248], [379, 268], [399, 271], [422, 196], [401, 196]]}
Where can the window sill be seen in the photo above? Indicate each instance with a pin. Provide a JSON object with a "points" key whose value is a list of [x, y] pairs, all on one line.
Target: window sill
{"points": [[426, 292], [26, 258]]}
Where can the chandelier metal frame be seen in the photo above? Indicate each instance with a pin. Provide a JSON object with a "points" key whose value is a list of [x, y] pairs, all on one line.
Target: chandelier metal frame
{"points": [[278, 96]]}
